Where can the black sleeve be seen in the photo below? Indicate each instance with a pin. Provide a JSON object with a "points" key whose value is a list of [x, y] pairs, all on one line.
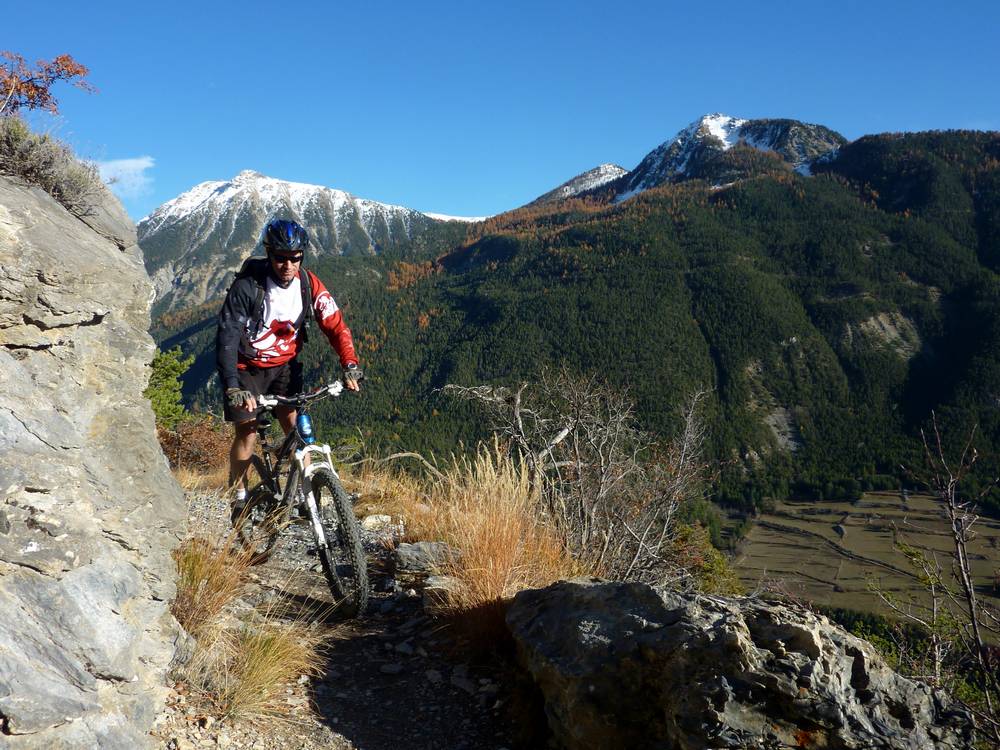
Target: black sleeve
{"points": [[232, 320]]}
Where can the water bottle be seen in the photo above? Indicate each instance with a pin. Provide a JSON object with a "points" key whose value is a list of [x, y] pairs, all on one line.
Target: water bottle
{"points": [[305, 427]]}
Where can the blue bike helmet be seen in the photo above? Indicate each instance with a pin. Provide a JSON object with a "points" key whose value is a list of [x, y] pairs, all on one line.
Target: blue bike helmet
{"points": [[283, 236]]}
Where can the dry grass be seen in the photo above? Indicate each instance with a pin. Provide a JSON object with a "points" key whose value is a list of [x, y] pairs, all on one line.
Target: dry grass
{"points": [[209, 577], [241, 668], [387, 490], [197, 480], [242, 674], [488, 513]]}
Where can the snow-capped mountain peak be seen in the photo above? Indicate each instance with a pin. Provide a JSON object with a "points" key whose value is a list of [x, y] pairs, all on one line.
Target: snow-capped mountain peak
{"points": [[192, 243], [694, 151], [723, 128]]}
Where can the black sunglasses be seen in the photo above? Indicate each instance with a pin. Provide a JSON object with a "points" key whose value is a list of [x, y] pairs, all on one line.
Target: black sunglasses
{"points": [[286, 258]]}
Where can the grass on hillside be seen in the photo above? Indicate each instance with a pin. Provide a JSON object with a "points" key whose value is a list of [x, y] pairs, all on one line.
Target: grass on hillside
{"points": [[41, 159]]}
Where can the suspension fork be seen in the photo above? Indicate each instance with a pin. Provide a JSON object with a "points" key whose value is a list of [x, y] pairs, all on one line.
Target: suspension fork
{"points": [[305, 474]]}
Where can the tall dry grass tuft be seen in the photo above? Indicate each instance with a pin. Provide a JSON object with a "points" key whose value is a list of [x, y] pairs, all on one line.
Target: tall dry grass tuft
{"points": [[243, 665], [209, 577], [245, 673], [489, 514]]}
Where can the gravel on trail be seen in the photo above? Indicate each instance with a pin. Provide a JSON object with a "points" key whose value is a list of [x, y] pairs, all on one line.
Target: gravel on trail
{"points": [[393, 677]]}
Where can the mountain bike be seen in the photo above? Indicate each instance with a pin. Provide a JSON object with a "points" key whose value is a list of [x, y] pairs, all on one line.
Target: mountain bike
{"points": [[297, 478]]}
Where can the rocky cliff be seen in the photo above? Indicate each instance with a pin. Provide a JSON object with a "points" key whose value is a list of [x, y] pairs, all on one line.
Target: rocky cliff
{"points": [[621, 665], [88, 510]]}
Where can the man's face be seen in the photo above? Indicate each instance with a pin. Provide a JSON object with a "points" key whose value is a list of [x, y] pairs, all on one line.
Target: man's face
{"points": [[285, 266]]}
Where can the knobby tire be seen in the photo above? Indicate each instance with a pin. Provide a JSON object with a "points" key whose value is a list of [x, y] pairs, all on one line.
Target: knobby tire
{"points": [[260, 519], [343, 559]]}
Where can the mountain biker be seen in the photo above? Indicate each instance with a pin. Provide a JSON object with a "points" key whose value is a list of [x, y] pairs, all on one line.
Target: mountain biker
{"points": [[256, 349]]}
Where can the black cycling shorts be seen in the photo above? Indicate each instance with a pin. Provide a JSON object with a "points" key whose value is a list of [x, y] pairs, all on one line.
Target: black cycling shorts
{"points": [[283, 380]]}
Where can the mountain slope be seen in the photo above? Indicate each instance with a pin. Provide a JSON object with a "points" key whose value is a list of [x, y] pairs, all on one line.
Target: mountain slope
{"points": [[582, 183], [828, 314], [193, 243]]}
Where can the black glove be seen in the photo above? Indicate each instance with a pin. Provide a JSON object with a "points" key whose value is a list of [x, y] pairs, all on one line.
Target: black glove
{"points": [[354, 372], [237, 397]]}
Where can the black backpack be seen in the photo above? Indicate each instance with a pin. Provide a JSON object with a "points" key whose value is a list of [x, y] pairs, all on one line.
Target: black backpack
{"points": [[257, 268]]}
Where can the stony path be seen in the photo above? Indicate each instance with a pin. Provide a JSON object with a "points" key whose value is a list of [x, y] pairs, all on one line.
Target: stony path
{"points": [[393, 678]]}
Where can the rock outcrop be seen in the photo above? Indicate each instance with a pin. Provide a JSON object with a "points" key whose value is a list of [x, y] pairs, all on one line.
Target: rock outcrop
{"points": [[621, 665], [88, 509]]}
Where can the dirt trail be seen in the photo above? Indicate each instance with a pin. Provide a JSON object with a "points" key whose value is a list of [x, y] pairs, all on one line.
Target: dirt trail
{"points": [[393, 678]]}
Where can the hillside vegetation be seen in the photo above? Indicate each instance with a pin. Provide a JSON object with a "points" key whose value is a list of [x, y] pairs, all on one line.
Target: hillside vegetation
{"points": [[828, 314]]}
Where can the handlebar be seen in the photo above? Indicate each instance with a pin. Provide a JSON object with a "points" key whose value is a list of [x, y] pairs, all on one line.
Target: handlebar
{"points": [[333, 389]]}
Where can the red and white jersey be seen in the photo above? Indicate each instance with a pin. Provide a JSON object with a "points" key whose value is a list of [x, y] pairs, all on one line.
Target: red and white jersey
{"points": [[277, 340]]}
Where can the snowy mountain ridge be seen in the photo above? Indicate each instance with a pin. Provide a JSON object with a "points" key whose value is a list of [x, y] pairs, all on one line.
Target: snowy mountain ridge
{"points": [[295, 196], [582, 183], [193, 243], [689, 154]]}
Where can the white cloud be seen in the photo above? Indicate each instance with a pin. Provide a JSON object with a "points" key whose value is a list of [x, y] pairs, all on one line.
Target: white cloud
{"points": [[128, 178]]}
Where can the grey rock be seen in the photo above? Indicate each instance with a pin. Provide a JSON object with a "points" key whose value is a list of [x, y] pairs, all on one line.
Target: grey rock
{"points": [[622, 665], [394, 668], [463, 683], [89, 509], [377, 522], [421, 557], [437, 591], [434, 677]]}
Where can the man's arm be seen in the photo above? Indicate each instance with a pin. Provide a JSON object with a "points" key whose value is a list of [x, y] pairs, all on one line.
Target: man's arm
{"points": [[232, 320], [331, 321]]}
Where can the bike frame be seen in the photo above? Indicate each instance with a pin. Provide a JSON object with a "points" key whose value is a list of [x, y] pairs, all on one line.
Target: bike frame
{"points": [[300, 474]]}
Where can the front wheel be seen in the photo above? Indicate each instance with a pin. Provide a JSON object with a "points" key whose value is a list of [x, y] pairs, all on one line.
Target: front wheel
{"points": [[338, 543]]}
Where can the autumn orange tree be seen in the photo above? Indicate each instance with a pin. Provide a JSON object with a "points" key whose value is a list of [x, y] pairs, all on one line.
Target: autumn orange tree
{"points": [[26, 87]]}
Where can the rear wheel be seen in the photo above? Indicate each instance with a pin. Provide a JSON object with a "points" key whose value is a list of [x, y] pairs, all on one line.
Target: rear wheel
{"points": [[339, 547], [259, 519]]}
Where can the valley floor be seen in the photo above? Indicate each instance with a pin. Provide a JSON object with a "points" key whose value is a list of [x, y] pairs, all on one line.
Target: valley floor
{"points": [[826, 552]]}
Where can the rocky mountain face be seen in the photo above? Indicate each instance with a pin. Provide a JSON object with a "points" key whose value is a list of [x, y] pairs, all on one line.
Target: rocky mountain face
{"points": [[193, 243], [695, 152], [582, 183], [88, 509], [622, 665]]}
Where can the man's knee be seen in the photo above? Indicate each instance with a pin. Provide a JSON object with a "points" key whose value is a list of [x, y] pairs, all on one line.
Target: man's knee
{"points": [[286, 418], [243, 440]]}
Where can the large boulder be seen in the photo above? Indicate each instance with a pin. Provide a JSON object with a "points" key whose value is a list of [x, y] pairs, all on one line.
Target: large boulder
{"points": [[88, 509], [622, 665]]}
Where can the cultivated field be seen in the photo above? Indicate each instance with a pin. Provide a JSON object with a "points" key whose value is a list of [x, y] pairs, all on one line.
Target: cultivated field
{"points": [[825, 552]]}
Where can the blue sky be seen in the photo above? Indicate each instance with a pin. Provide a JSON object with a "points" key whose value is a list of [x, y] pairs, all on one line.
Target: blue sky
{"points": [[474, 108]]}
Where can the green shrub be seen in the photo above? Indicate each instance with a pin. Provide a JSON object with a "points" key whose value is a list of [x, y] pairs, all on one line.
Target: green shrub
{"points": [[164, 389], [45, 161]]}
